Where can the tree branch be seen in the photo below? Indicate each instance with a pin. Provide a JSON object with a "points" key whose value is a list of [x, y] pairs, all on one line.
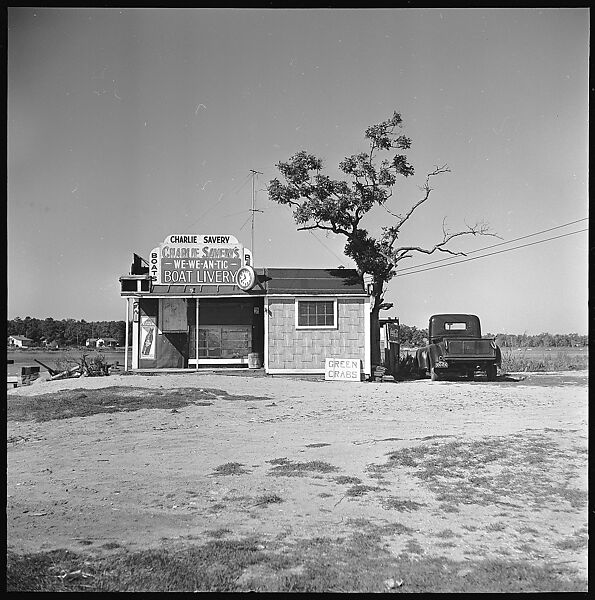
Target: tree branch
{"points": [[402, 220], [398, 254], [332, 228]]}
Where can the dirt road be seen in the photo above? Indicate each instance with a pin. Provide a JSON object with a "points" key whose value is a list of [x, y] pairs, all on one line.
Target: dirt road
{"points": [[462, 469]]}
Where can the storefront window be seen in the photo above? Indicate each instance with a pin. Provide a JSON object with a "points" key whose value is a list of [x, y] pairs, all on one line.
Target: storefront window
{"points": [[316, 314], [224, 341]]}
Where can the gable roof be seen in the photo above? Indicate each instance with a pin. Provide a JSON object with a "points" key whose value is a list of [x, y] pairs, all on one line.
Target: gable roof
{"points": [[304, 282], [22, 338], [312, 281]]}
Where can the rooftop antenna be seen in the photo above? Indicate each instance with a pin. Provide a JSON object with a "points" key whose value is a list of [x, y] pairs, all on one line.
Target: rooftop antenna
{"points": [[253, 210]]}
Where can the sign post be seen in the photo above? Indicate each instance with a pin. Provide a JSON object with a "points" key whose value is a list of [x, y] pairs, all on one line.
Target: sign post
{"points": [[392, 331]]}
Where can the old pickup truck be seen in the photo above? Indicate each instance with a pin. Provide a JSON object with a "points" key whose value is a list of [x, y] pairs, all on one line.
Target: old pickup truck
{"points": [[456, 348]]}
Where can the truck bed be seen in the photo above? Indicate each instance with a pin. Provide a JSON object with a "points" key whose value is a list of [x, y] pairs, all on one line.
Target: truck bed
{"points": [[466, 348]]}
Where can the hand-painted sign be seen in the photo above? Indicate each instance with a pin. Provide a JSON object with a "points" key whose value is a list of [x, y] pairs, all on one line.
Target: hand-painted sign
{"points": [[187, 259], [342, 369], [392, 330]]}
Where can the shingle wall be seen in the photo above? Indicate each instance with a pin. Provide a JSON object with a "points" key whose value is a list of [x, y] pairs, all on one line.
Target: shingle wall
{"points": [[291, 348]]}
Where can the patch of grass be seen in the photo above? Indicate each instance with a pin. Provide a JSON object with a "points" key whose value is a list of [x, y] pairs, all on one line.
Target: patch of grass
{"points": [[446, 533], [267, 499], [413, 547], [515, 470], [495, 526], [287, 468], [66, 404], [396, 529], [398, 504], [358, 563], [530, 530], [545, 361], [218, 533], [231, 468], [361, 490], [577, 542], [449, 508], [345, 479]]}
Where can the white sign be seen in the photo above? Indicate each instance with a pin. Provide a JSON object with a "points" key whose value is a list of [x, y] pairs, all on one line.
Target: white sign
{"points": [[189, 259], [342, 369]]}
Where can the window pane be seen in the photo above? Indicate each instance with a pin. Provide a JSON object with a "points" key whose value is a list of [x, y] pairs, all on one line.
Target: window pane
{"points": [[455, 326], [316, 313]]}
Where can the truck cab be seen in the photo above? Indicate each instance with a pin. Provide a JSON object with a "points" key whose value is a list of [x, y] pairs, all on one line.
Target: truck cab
{"points": [[456, 347]]}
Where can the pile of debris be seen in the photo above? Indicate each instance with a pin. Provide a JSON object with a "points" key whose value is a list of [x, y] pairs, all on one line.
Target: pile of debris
{"points": [[96, 367]]}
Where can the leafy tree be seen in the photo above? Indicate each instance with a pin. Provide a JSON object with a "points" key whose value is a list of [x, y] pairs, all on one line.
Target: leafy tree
{"points": [[320, 202]]}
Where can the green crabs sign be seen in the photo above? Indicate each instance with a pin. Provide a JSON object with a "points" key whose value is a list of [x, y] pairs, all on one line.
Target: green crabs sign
{"points": [[197, 259]]}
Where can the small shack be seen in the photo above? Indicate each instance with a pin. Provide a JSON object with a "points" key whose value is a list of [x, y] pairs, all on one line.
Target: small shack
{"points": [[199, 302]]}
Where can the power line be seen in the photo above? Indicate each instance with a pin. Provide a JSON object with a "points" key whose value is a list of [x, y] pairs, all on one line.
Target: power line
{"points": [[212, 206], [323, 244], [492, 253], [432, 262]]}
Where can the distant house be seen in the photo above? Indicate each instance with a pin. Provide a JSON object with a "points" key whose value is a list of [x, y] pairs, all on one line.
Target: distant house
{"points": [[50, 344], [91, 342], [107, 342], [20, 341]]}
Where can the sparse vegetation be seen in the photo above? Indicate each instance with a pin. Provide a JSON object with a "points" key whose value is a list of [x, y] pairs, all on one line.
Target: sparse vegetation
{"points": [[361, 490], [358, 563], [86, 402], [231, 468], [401, 505], [458, 472], [267, 499], [346, 479], [287, 468], [543, 361]]}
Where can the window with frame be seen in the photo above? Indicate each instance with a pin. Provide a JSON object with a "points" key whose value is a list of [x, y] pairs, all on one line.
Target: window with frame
{"points": [[316, 314]]}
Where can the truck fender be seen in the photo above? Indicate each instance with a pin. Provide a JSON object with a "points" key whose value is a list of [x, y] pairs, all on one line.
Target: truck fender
{"points": [[420, 358], [434, 352]]}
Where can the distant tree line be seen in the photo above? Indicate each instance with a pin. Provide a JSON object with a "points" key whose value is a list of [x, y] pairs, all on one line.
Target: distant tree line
{"points": [[411, 337], [542, 340], [67, 332]]}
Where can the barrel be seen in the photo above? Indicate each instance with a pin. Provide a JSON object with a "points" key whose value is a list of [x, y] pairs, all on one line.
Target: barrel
{"points": [[254, 360]]}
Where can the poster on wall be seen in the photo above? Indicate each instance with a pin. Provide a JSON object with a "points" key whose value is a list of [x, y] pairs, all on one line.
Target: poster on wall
{"points": [[147, 338], [173, 315]]}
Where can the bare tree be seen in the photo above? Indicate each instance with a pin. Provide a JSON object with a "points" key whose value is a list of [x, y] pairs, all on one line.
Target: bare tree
{"points": [[337, 206]]}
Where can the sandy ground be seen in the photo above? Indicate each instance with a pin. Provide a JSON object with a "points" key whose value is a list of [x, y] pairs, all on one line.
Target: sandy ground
{"points": [[148, 477]]}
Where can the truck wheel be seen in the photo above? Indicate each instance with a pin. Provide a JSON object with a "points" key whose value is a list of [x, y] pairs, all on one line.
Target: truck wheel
{"points": [[491, 372], [434, 376]]}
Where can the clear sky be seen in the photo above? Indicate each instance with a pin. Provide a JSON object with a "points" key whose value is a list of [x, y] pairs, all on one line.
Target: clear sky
{"points": [[127, 125]]}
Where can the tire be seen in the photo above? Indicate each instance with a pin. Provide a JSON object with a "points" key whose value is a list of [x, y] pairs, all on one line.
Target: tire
{"points": [[491, 372]]}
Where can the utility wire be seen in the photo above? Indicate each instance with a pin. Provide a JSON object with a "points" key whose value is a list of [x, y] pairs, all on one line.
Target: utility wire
{"points": [[212, 206], [323, 244], [491, 253], [492, 246]]}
